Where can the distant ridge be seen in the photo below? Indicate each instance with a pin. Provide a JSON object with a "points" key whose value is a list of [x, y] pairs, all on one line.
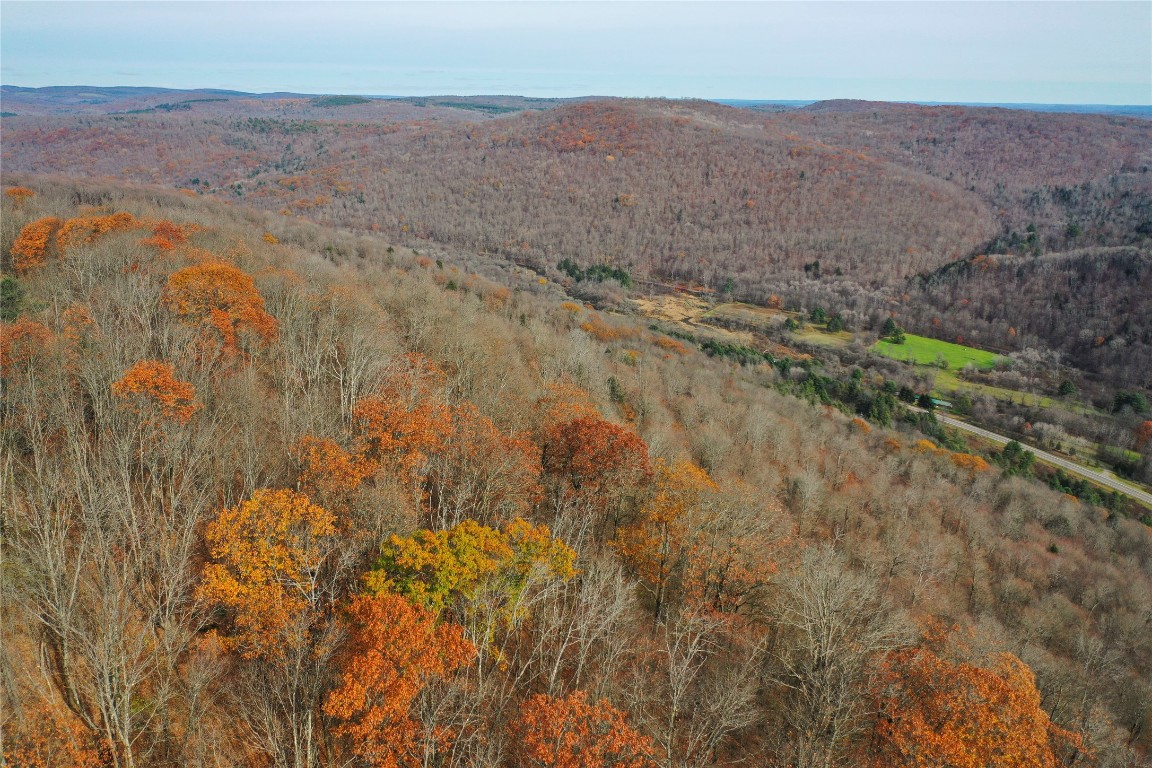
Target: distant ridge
{"points": [[63, 99], [860, 105]]}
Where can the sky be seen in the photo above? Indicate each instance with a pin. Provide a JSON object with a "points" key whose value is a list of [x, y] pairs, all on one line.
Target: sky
{"points": [[1018, 51]]}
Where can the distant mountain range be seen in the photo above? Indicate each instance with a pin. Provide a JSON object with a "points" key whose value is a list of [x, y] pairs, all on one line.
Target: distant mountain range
{"points": [[83, 99]]}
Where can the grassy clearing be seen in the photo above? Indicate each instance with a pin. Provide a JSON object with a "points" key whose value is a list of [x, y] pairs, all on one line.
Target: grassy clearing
{"points": [[948, 382], [925, 351], [747, 314], [816, 335]]}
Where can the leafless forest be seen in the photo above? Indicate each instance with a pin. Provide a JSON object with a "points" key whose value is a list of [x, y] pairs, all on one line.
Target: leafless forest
{"points": [[316, 461]]}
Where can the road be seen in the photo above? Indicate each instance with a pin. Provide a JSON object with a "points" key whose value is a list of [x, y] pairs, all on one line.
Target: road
{"points": [[1069, 466]]}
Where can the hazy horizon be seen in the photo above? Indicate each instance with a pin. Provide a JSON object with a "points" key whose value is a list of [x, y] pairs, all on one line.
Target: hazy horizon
{"points": [[1075, 53]]}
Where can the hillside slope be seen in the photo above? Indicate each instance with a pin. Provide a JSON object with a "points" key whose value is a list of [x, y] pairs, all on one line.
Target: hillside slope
{"points": [[279, 494]]}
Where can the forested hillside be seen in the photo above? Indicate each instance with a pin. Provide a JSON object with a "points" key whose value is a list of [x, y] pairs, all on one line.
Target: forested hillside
{"points": [[283, 495], [849, 205]]}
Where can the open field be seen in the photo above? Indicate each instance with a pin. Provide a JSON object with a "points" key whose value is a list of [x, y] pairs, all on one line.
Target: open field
{"points": [[747, 314], [925, 351], [949, 381], [816, 335]]}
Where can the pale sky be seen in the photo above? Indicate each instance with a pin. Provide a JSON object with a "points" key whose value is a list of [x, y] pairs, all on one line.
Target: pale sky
{"points": [[1072, 52]]}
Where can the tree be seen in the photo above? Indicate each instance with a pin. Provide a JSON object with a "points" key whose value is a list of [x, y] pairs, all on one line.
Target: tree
{"points": [[926, 402], [660, 542], [21, 343], [932, 711], [1134, 400], [590, 455], [888, 328], [833, 627], [481, 471], [166, 236], [222, 301], [594, 464], [329, 474], [1066, 389], [32, 245], [19, 195], [970, 462], [570, 732], [1014, 459], [818, 315], [1142, 435], [267, 556], [277, 576], [152, 384], [88, 229], [394, 650], [407, 422], [440, 569], [836, 324]]}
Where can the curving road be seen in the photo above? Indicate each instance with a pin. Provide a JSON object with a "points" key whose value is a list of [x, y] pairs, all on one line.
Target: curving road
{"points": [[1070, 466]]}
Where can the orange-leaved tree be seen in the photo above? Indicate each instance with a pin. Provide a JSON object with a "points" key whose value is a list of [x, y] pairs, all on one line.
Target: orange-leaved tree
{"points": [[217, 296], [564, 401], [935, 712], [595, 464], [403, 425], [660, 541], [482, 472], [394, 650], [21, 342], [152, 384], [54, 736], [329, 473], [88, 229], [32, 245], [970, 462], [19, 195], [571, 732], [268, 555], [166, 236]]}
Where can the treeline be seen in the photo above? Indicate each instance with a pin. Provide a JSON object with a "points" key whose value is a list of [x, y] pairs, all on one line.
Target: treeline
{"points": [[261, 508]]}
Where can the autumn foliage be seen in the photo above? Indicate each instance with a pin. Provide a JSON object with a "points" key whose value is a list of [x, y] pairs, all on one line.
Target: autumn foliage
{"points": [[329, 473], [970, 462], [394, 650], [935, 712], [21, 342], [166, 236], [265, 555], [1143, 435], [88, 229], [55, 738], [435, 569], [154, 383], [590, 455], [215, 296], [406, 423], [19, 195], [32, 245], [571, 732], [661, 542]]}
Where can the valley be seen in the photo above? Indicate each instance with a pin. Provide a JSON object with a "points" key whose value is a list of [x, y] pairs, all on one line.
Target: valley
{"points": [[530, 433]]}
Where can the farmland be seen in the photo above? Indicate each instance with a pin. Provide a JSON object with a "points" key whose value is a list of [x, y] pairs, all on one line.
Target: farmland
{"points": [[926, 351]]}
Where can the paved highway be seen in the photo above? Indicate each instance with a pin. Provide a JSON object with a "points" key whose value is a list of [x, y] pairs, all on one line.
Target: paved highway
{"points": [[1070, 466]]}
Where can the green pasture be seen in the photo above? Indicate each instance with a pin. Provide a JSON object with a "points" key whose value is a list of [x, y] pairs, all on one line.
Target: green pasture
{"points": [[925, 351]]}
